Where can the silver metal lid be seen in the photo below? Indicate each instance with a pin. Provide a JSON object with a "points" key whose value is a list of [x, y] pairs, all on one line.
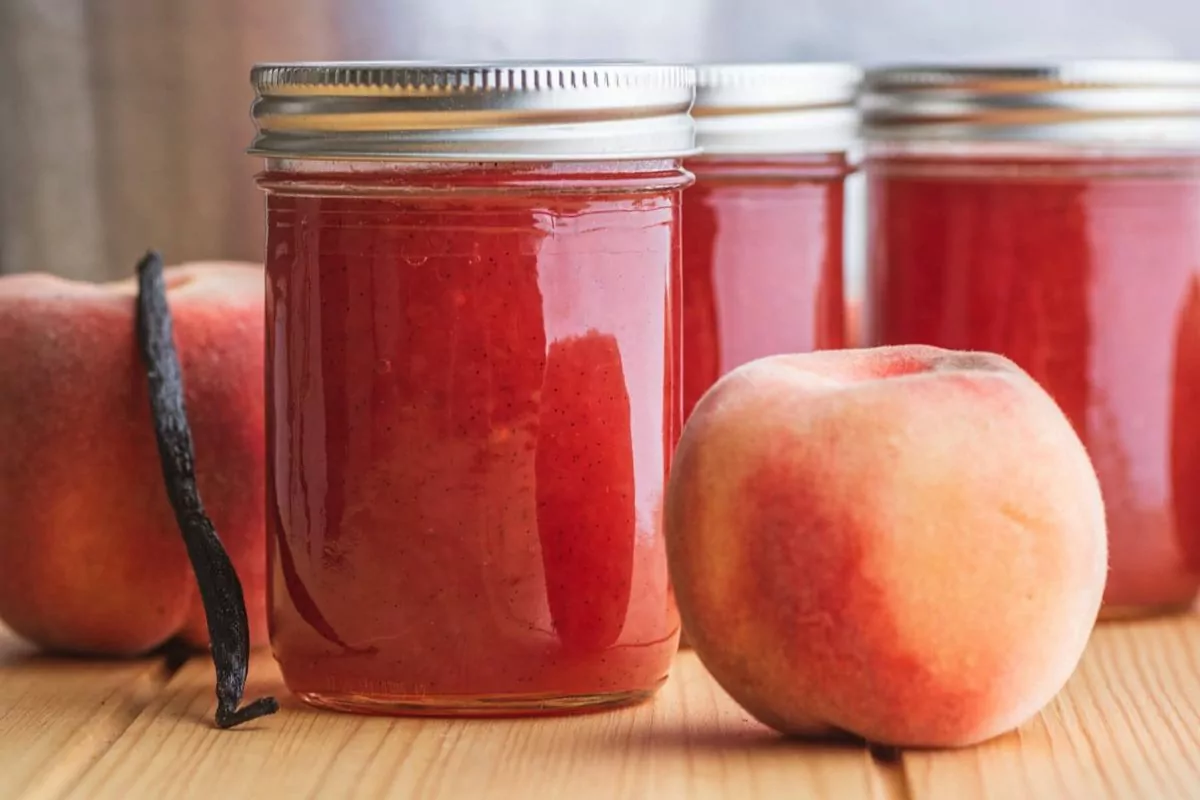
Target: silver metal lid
{"points": [[1101, 102], [523, 111], [760, 109]]}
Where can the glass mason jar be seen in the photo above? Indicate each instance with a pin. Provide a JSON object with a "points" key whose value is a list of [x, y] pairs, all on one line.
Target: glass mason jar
{"points": [[472, 380], [1052, 215], [762, 237]]}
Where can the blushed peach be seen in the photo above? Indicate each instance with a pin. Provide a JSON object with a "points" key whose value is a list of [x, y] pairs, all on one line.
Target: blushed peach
{"points": [[91, 558], [904, 543]]}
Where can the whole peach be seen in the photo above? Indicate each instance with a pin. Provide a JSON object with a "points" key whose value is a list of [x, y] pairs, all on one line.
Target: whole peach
{"points": [[91, 558], [904, 543]]}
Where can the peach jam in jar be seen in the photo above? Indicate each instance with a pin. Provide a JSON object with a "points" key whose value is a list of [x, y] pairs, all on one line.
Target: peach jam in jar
{"points": [[473, 387]]}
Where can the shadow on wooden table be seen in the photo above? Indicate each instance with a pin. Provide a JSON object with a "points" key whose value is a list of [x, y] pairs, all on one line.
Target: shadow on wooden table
{"points": [[722, 738], [58, 713]]}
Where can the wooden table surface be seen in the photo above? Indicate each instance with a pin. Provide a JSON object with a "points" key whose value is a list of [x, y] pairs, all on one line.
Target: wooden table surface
{"points": [[1126, 727]]}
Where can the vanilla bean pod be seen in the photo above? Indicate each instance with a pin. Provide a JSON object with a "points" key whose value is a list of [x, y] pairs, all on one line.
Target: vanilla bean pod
{"points": [[220, 589]]}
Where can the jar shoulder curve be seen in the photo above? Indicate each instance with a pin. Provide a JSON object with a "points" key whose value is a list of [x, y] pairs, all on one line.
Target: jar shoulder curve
{"points": [[407, 178]]}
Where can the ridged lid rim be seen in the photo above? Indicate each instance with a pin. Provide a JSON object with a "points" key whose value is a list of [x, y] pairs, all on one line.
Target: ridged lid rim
{"points": [[408, 77], [1068, 74], [730, 88], [520, 110], [757, 109], [1076, 101]]}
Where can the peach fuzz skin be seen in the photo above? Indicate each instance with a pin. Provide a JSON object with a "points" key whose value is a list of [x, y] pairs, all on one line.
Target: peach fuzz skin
{"points": [[91, 559], [906, 544]]}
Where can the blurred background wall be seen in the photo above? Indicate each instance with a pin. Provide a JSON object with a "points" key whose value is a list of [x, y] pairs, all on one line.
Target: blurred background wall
{"points": [[122, 122]]}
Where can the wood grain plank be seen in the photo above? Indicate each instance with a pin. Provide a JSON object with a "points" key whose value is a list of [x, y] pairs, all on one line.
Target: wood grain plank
{"points": [[57, 716], [1126, 727], [691, 741]]}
